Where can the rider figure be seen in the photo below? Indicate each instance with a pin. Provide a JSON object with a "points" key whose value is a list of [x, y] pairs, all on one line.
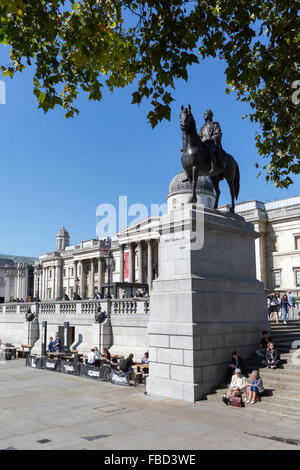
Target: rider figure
{"points": [[211, 134]]}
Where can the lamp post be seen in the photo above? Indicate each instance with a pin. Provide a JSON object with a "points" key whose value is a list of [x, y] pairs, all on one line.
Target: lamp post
{"points": [[109, 262], [38, 271]]}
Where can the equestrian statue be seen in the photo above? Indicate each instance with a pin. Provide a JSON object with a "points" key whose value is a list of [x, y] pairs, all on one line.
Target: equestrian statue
{"points": [[203, 155]]}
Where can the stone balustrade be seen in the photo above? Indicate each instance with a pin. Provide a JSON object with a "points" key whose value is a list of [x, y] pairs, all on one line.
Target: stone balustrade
{"points": [[77, 308]]}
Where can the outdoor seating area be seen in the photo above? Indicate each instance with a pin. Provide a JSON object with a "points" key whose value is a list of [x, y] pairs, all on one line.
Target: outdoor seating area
{"points": [[115, 369]]}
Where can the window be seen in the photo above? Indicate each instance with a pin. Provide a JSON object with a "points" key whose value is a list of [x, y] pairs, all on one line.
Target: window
{"points": [[50, 273], [64, 273], [276, 279], [297, 242], [297, 277], [49, 294], [72, 272]]}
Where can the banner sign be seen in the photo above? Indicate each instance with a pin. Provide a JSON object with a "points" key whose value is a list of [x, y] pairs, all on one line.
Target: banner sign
{"points": [[126, 265], [103, 373], [50, 364], [71, 368], [120, 378], [66, 330], [92, 372], [34, 362], [44, 338]]}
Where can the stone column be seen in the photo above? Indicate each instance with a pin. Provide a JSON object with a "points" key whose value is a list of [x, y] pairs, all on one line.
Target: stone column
{"points": [[7, 288], [92, 280], [81, 279], [140, 258], [46, 283], [58, 293], [42, 284], [25, 282], [121, 279], [75, 277], [131, 262], [53, 282], [149, 261], [34, 282], [100, 272]]}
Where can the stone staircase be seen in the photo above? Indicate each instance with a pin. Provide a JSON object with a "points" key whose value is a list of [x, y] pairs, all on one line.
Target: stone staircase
{"points": [[284, 382]]}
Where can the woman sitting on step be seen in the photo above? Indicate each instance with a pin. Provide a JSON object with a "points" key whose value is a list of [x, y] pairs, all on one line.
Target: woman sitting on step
{"points": [[237, 386], [256, 387], [272, 357]]}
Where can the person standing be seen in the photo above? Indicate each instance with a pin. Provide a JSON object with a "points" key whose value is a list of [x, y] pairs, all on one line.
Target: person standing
{"points": [[91, 357], [291, 300], [284, 307], [57, 343], [51, 345]]}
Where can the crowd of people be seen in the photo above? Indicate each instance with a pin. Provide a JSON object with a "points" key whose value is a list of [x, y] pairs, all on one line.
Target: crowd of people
{"points": [[281, 308], [75, 296], [253, 388], [125, 365]]}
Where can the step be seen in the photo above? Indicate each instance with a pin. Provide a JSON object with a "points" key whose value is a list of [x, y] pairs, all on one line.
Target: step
{"points": [[287, 344], [283, 400], [283, 408], [279, 375], [251, 410], [277, 408], [285, 337], [287, 373], [277, 393], [275, 384]]}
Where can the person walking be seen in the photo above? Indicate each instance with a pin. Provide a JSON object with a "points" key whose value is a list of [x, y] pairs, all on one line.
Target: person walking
{"points": [[291, 300], [284, 307]]}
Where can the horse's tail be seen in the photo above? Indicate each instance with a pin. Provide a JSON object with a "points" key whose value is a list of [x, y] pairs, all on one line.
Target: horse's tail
{"points": [[237, 181]]}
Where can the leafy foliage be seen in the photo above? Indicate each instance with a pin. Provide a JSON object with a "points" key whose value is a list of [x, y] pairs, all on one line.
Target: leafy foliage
{"points": [[90, 44]]}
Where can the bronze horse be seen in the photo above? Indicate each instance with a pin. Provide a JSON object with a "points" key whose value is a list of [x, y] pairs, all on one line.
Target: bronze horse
{"points": [[196, 161]]}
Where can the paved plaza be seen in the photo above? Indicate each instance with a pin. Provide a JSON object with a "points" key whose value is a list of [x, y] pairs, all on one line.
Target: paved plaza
{"points": [[47, 410]]}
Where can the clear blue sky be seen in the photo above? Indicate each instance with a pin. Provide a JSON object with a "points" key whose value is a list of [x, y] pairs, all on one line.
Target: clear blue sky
{"points": [[56, 171]]}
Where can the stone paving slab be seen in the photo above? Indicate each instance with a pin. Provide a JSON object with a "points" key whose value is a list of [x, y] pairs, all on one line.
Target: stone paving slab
{"points": [[63, 410]]}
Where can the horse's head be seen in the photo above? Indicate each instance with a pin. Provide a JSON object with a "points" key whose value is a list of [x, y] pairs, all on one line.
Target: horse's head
{"points": [[186, 118]]}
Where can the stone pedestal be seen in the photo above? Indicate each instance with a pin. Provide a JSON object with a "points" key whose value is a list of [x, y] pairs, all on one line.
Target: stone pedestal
{"points": [[206, 302]]}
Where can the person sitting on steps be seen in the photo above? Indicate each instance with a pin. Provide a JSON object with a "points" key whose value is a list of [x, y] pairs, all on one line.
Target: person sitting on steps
{"points": [[272, 360], [256, 387]]}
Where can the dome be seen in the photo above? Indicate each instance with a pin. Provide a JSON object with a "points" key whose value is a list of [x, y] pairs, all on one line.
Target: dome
{"points": [[63, 233], [178, 186], [180, 192]]}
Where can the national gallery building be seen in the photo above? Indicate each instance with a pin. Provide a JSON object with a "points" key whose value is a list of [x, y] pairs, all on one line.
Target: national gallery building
{"points": [[130, 261]]}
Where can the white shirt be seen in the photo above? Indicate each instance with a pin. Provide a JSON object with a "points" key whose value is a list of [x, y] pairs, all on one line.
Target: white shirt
{"points": [[239, 382], [91, 357]]}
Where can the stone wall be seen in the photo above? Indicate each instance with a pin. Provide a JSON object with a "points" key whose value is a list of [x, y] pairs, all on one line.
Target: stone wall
{"points": [[124, 330]]}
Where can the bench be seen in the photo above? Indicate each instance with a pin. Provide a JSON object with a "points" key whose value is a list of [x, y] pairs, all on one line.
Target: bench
{"points": [[24, 350]]}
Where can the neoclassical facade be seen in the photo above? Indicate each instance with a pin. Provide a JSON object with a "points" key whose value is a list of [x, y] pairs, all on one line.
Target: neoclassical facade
{"points": [[83, 268], [278, 247], [16, 277]]}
